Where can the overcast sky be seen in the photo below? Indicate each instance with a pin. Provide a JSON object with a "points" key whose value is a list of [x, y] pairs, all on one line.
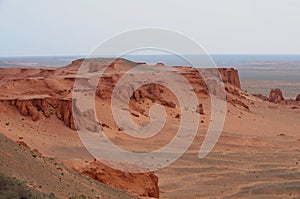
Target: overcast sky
{"points": [[75, 27]]}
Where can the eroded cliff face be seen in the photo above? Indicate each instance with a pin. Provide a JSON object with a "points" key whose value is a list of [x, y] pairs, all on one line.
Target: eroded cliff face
{"points": [[24, 87], [36, 108], [231, 76], [141, 184]]}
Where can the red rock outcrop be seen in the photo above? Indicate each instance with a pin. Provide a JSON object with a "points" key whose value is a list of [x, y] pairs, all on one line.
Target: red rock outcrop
{"points": [[63, 110], [37, 82], [26, 107], [276, 95], [231, 76], [23, 144], [154, 93], [33, 108], [141, 184], [298, 98]]}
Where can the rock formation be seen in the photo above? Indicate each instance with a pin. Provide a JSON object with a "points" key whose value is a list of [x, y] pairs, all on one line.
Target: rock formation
{"points": [[231, 76], [298, 98], [43, 94], [141, 184], [276, 95], [46, 106]]}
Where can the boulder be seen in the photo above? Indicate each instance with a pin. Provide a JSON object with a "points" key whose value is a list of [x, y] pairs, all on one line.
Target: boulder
{"points": [[298, 98], [276, 96]]}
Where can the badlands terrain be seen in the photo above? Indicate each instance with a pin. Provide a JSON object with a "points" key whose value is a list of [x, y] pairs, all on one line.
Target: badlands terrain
{"points": [[256, 156]]}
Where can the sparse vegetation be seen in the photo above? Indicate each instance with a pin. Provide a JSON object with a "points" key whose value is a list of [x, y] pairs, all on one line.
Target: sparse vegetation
{"points": [[52, 195], [15, 188], [33, 154]]}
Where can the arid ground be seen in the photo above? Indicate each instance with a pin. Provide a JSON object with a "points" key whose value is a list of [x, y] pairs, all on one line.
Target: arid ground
{"points": [[256, 156]]}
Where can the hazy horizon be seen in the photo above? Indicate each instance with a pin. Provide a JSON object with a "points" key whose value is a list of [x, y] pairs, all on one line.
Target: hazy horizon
{"points": [[113, 56]]}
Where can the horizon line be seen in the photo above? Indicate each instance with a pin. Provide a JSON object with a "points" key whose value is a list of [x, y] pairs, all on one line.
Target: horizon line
{"points": [[112, 56]]}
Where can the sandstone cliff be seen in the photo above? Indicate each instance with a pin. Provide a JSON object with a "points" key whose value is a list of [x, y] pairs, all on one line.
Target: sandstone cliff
{"points": [[48, 91], [231, 76], [35, 108]]}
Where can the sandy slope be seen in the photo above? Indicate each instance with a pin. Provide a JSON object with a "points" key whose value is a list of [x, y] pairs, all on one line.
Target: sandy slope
{"points": [[47, 175]]}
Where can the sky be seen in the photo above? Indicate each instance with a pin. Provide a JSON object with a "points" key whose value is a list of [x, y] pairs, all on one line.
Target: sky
{"points": [[75, 27]]}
